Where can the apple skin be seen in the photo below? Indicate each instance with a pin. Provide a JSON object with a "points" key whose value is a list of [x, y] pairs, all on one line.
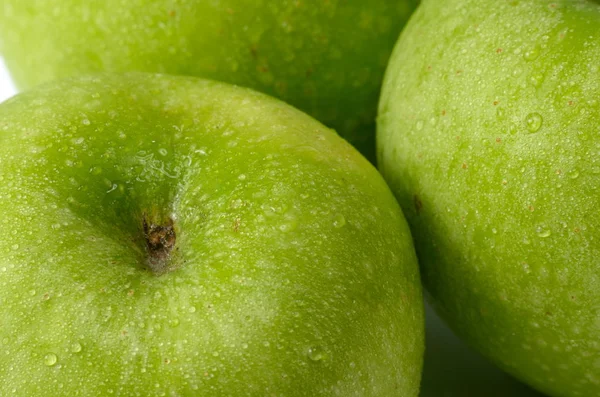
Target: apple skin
{"points": [[293, 271], [324, 57], [488, 136]]}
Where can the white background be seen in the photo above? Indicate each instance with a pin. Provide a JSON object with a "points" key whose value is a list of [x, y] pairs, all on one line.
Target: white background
{"points": [[451, 369], [7, 89]]}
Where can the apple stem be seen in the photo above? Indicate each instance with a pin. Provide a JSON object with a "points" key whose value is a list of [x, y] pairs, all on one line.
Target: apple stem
{"points": [[160, 240]]}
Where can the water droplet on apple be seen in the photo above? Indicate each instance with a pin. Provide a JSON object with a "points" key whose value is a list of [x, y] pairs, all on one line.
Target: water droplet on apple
{"points": [[95, 170], [533, 121], [215, 354], [244, 346], [237, 203], [316, 353], [163, 151], [291, 223], [532, 54], [15, 247], [192, 309], [242, 177], [543, 231], [536, 79], [85, 122], [50, 359], [174, 322], [573, 174], [117, 188], [419, 125], [339, 221], [500, 113], [76, 347]]}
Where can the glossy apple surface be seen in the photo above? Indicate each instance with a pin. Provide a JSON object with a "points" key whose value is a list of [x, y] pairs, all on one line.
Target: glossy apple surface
{"points": [[488, 134], [324, 57], [181, 237]]}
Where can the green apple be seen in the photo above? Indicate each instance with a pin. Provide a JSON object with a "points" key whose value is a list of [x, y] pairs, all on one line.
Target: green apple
{"points": [[181, 237], [489, 136], [324, 57]]}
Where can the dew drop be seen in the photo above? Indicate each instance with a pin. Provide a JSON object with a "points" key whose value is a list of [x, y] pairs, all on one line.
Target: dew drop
{"points": [[536, 79], [31, 292], [419, 125], [237, 203], [192, 309], [532, 54], [85, 122], [95, 170], [533, 122], [573, 174], [76, 347], [316, 353], [290, 225], [174, 322], [339, 221], [163, 151], [543, 231], [500, 113], [242, 177], [50, 359]]}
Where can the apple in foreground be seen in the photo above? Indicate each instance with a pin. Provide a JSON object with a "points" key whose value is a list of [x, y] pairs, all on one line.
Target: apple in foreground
{"points": [[488, 134], [181, 237], [324, 57]]}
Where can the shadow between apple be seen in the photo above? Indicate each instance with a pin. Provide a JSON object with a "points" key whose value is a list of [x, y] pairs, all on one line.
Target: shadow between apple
{"points": [[452, 369]]}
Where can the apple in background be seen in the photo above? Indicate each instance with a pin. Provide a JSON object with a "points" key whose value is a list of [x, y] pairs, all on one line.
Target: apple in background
{"points": [[175, 236], [488, 134], [324, 57]]}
